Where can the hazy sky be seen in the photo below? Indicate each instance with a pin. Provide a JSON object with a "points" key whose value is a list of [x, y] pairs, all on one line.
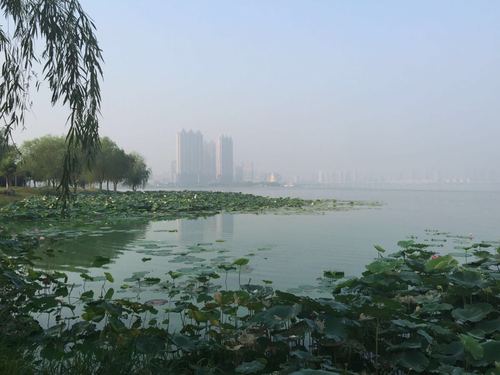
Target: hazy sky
{"points": [[377, 86]]}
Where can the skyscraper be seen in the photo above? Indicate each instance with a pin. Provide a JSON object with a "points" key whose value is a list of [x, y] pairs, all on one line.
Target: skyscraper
{"points": [[189, 157], [225, 160], [248, 172], [209, 162], [173, 171]]}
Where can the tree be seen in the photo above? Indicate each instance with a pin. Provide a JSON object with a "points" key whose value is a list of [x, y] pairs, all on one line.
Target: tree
{"points": [[138, 172], [8, 161], [43, 159], [102, 166], [121, 163], [111, 164], [71, 64], [8, 164]]}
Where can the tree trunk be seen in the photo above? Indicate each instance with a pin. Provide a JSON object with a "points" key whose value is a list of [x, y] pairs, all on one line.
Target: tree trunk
{"points": [[34, 183], [107, 185], [100, 185], [115, 186], [6, 182]]}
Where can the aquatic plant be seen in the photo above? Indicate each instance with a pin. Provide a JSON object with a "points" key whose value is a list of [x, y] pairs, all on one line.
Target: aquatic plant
{"points": [[412, 311], [163, 205]]}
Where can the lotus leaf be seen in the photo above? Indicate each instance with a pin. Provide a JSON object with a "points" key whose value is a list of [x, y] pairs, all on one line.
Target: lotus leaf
{"points": [[472, 312], [251, 367]]}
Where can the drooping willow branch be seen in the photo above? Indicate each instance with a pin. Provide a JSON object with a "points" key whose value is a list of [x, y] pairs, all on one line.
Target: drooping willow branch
{"points": [[71, 64]]}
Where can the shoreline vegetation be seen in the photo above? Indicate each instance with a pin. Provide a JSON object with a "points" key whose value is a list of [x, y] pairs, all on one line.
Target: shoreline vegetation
{"points": [[14, 194], [413, 310], [165, 205]]}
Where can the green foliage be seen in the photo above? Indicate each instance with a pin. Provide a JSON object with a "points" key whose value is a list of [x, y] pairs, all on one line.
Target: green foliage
{"points": [[43, 158], [333, 274], [60, 37], [472, 346], [157, 204], [386, 321], [472, 312], [442, 263], [409, 312], [251, 367], [138, 173], [110, 163], [241, 262], [8, 164]]}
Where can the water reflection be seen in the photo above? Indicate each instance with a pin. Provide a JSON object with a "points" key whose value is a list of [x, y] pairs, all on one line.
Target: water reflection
{"points": [[205, 230], [79, 248], [225, 226], [291, 250]]}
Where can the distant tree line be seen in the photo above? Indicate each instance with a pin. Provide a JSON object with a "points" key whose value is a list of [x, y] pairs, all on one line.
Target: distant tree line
{"points": [[41, 162]]}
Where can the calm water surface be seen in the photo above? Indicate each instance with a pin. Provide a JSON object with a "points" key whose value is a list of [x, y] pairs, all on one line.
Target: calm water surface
{"points": [[291, 250]]}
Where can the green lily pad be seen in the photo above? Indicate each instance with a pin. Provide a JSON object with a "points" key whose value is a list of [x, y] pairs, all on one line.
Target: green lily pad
{"points": [[472, 313], [241, 262], [314, 372], [467, 278], [414, 360], [149, 344], [491, 351], [441, 264], [251, 367], [472, 346]]}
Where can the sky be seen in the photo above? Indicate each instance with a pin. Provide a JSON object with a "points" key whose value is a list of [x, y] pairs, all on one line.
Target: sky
{"points": [[378, 87]]}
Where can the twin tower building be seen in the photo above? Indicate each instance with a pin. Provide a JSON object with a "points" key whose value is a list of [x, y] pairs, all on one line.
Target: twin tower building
{"points": [[201, 163]]}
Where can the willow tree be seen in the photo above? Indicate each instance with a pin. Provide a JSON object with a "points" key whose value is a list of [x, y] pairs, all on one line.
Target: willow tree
{"points": [[138, 172], [56, 38], [9, 158], [43, 159]]}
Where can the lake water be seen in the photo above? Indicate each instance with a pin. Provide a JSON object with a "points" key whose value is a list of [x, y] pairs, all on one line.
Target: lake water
{"points": [[290, 250]]}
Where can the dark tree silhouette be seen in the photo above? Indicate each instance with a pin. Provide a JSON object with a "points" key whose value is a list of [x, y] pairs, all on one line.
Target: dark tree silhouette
{"points": [[70, 62]]}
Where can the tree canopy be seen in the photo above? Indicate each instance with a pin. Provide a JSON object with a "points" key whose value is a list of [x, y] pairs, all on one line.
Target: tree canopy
{"points": [[42, 160], [9, 157], [138, 173], [111, 164], [70, 61]]}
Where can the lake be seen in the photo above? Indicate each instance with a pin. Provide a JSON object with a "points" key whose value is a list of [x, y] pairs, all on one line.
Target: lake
{"points": [[291, 250]]}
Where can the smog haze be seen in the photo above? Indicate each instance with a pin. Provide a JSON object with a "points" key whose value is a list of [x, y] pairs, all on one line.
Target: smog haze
{"points": [[301, 86]]}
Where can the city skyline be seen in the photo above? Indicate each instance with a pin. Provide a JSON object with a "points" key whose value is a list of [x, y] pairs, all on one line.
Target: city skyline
{"points": [[201, 162], [189, 157], [224, 160], [377, 87]]}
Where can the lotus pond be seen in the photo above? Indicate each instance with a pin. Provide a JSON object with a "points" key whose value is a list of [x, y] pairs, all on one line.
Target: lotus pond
{"points": [[150, 289]]}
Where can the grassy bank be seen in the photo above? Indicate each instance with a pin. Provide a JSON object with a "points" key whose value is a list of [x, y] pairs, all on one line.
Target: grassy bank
{"points": [[16, 194]]}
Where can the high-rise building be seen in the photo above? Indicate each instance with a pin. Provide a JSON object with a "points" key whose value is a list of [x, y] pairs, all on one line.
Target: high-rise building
{"points": [[173, 171], [209, 162], [189, 157], [238, 174], [244, 172], [224, 160], [248, 172]]}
